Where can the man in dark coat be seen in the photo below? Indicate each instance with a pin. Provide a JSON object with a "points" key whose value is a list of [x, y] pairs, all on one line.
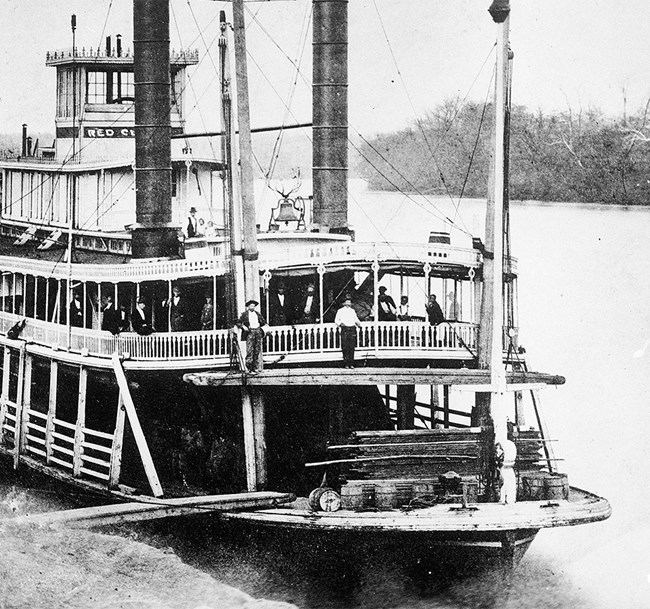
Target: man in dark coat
{"points": [[387, 310], [141, 319], [308, 309], [251, 322], [76, 311], [434, 312], [178, 314], [110, 317], [279, 307], [192, 224]]}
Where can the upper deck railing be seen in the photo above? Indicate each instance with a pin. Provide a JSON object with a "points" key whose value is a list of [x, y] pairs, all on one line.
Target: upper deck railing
{"points": [[369, 251], [289, 344]]}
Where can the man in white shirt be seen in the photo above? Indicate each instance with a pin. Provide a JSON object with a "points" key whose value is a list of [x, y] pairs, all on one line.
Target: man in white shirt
{"points": [[346, 319]]}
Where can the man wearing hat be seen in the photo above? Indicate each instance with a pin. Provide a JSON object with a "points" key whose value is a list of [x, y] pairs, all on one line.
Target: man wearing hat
{"points": [[346, 319], [192, 224], [387, 310], [251, 322]]}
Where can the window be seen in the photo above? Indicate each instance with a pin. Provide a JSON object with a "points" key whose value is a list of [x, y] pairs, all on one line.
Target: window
{"points": [[110, 87]]}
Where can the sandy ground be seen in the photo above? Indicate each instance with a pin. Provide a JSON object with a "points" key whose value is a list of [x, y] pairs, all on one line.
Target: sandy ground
{"points": [[48, 568]]}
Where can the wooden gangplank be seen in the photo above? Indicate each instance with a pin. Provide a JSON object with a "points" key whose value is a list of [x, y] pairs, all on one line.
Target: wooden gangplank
{"points": [[152, 509], [368, 375]]}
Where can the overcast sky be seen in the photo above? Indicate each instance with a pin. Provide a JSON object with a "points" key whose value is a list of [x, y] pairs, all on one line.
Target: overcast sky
{"points": [[405, 55]]}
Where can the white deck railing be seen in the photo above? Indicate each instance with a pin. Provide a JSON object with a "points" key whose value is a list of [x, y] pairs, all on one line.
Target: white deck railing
{"points": [[309, 342]]}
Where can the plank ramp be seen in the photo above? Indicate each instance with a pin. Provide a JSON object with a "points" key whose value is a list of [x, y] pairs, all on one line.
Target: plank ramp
{"points": [[152, 509]]}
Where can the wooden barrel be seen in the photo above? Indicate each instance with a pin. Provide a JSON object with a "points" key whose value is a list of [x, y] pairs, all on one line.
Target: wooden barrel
{"points": [[357, 496], [556, 486], [324, 499], [532, 487], [386, 495]]}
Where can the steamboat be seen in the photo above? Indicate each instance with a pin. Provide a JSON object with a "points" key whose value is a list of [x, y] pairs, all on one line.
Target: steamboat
{"points": [[122, 374]]}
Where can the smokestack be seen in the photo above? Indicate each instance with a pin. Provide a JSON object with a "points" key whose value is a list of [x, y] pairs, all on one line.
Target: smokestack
{"points": [[153, 236], [24, 141], [108, 46], [330, 113], [118, 45]]}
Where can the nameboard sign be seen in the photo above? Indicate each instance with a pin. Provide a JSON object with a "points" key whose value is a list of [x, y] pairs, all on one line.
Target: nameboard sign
{"points": [[105, 132]]}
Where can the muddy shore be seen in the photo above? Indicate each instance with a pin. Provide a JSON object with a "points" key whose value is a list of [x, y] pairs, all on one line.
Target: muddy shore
{"points": [[77, 569]]}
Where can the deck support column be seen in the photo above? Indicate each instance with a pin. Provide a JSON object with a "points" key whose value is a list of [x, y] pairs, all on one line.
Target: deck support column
{"points": [[20, 406], [5, 387], [445, 405], [254, 437], [51, 410], [81, 423], [405, 406]]}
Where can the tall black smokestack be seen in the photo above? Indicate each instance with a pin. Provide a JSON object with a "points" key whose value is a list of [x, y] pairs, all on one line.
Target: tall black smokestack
{"points": [[330, 113], [153, 235], [24, 140]]}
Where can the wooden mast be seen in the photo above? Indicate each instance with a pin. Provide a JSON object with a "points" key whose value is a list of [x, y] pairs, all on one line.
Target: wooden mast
{"points": [[249, 251], [491, 319], [500, 11]]}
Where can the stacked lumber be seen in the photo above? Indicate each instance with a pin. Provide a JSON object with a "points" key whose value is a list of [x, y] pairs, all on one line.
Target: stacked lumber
{"points": [[530, 451], [410, 454]]}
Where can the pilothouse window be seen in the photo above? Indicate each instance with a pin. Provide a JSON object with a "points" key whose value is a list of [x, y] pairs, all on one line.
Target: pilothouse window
{"points": [[110, 87]]}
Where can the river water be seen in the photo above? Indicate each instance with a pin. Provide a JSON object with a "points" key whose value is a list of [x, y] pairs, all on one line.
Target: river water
{"points": [[584, 313]]}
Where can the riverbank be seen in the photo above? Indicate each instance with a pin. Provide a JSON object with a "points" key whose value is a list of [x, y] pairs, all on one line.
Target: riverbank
{"points": [[77, 569]]}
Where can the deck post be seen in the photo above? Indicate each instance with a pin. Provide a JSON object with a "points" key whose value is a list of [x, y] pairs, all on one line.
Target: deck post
{"points": [[19, 405], [81, 422], [27, 400], [51, 410], [138, 434], [259, 433], [116, 448], [249, 438], [405, 406], [5, 389], [435, 405], [445, 405]]}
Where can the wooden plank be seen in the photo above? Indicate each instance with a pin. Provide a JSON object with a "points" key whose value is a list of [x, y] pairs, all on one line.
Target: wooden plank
{"points": [[141, 441], [116, 448], [20, 406], [27, 401], [81, 421], [136, 511], [367, 375], [398, 444], [5, 387], [390, 458]]}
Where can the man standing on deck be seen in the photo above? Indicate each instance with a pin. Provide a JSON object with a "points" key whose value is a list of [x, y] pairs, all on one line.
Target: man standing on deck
{"points": [[251, 322], [192, 224], [434, 312], [346, 319], [308, 310], [110, 319]]}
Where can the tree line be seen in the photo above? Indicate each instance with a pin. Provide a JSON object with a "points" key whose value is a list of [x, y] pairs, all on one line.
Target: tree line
{"points": [[582, 156]]}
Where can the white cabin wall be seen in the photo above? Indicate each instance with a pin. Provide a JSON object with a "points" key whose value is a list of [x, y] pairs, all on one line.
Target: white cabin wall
{"points": [[115, 198], [203, 190]]}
